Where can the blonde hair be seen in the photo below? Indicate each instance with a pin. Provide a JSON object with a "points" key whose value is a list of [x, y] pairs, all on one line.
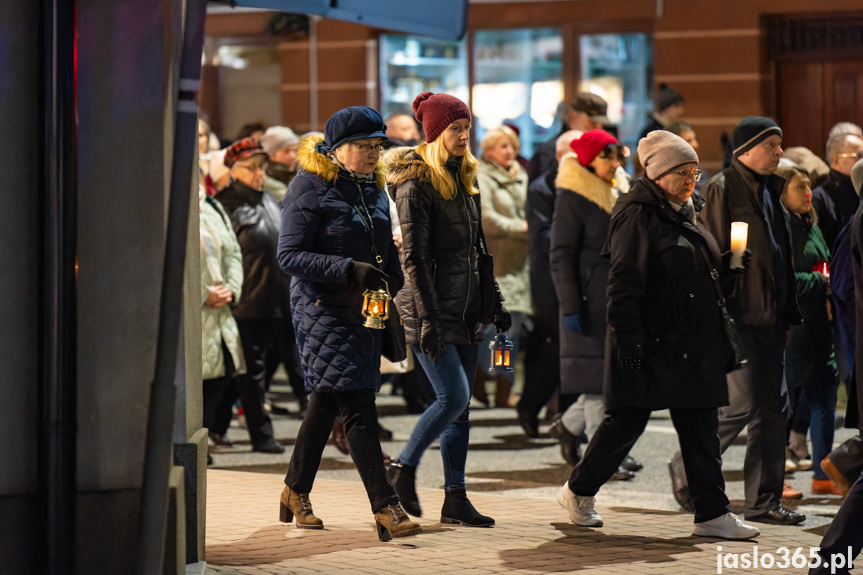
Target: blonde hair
{"points": [[492, 136], [436, 156]]}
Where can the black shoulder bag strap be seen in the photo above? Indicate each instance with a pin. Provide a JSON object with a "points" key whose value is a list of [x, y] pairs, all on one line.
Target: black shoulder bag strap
{"points": [[739, 359]]}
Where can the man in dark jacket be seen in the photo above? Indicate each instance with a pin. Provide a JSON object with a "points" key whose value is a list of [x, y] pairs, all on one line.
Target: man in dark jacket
{"points": [[835, 200], [542, 362], [845, 537], [587, 112], [763, 305]]}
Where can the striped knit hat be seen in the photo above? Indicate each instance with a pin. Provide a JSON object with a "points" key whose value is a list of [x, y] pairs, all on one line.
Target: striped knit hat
{"points": [[751, 131]]}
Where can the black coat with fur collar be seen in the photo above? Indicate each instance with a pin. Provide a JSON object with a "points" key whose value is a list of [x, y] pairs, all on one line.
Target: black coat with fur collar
{"points": [[439, 239]]}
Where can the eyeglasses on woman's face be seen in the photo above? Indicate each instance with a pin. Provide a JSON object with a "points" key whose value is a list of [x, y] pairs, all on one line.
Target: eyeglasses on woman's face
{"points": [[253, 167], [366, 148]]}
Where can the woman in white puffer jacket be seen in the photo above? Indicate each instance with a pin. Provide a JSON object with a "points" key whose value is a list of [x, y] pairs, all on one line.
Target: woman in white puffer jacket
{"points": [[221, 285]]}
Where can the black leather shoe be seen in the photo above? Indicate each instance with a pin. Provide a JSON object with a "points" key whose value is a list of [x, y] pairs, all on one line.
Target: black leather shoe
{"points": [[778, 516], [270, 446], [679, 486], [221, 440], [570, 447], [529, 422], [631, 464], [622, 474]]}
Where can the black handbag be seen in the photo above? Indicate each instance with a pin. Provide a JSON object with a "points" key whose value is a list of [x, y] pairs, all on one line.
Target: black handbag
{"points": [[487, 291], [395, 347], [738, 359]]}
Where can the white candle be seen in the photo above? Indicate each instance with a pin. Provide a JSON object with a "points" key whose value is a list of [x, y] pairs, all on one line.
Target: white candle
{"points": [[739, 233]]}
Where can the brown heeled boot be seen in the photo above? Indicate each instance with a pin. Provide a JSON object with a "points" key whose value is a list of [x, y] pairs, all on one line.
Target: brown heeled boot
{"points": [[503, 395], [479, 391], [392, 521], [292, 503]]}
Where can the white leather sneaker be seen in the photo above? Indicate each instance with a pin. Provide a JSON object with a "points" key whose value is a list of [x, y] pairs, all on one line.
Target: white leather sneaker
{"points": [[582, 510], [728, 526]]}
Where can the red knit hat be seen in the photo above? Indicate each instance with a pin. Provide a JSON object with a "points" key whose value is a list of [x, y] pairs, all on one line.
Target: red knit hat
{"points": [[242, 150], [437, 111], [590, 144]]}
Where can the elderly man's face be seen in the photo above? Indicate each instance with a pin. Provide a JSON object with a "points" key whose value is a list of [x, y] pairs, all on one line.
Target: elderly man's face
{"points": [[851, 151], [763, 157]]}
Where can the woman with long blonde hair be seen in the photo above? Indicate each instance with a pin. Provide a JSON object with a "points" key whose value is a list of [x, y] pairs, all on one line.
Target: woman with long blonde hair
{"points": [[438, 204]]}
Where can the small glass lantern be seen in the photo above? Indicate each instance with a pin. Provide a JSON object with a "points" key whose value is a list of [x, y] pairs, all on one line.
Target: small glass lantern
{"points": [[501, 354], [376, 305]]}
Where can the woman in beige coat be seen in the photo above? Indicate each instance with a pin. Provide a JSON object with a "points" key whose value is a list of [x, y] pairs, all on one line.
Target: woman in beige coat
{"points": [[503, 188]]}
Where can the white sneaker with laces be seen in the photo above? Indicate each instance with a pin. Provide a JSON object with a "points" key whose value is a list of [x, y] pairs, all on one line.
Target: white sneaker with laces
{"points": [[582, 510], [728, 526]]}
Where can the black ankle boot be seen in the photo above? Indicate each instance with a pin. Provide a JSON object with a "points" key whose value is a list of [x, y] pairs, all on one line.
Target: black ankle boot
{"points": [[404, 480], [458, 509]]}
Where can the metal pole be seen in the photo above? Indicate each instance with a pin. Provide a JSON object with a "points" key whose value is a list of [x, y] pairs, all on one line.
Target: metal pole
{"points": [[57, 338], [160, 421]]}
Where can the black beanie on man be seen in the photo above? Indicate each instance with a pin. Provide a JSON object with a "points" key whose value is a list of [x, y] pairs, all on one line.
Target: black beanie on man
{"points": [[751, 131]]}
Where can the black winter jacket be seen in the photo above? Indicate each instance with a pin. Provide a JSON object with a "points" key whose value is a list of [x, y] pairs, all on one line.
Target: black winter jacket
{"points": [[580, 273], [255, 217], [539, 211], [730, 196], [661, 295], [809, 357], [835, 202], [439, 241]]}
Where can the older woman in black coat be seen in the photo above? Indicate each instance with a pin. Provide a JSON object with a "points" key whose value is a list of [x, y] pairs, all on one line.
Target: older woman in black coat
{"points": [[666, 346]]}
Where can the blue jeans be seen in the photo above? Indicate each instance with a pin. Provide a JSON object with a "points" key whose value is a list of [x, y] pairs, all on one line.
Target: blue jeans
{"points": [[822, 423], [452, 379]]}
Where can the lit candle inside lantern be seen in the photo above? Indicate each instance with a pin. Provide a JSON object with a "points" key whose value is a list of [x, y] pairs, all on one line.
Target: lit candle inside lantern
{"points": [[739, 233]]}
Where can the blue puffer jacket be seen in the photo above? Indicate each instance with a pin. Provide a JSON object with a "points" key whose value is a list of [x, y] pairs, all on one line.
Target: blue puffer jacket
{"points": [[321, 234]]}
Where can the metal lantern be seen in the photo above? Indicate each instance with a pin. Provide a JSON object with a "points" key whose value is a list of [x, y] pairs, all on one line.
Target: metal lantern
{"points": [[376, 306], [501, 354]]}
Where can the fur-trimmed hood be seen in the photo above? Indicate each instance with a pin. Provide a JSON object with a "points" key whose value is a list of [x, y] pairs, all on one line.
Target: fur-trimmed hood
{"points": [[574, 177], [316, 163], [405, 164]]}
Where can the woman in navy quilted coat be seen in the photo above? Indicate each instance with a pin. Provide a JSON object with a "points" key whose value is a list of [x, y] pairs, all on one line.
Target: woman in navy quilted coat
{"points": [[336, 242]]}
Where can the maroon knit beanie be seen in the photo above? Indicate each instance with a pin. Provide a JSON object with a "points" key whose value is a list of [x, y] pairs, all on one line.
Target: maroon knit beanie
{"points": [[590, 144], [437, 111]]}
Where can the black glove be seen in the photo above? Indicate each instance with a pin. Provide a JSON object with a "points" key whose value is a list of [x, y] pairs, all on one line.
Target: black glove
{"points": [[630, 356], [502, 319], [726, 263], [369, 276], [431, 340]]}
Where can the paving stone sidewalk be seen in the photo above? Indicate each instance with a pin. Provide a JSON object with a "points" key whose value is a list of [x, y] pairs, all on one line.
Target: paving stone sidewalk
{"points": [[532, 535]]}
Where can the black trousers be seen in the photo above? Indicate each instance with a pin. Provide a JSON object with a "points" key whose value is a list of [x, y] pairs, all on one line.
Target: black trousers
{"points": [[758, 399], [697, 432], [256, 336], [283, 350], [541, 361], [357, 411], [214, 393], [845, 531]]}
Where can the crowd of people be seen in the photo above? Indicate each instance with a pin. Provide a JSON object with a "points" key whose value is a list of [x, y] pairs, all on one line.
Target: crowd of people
{"points": [[624, 295]]}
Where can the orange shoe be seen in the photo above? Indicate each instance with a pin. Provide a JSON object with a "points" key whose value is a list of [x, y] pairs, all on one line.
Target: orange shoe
{"points": [[825, 487], [830, 470], [789, 492]]}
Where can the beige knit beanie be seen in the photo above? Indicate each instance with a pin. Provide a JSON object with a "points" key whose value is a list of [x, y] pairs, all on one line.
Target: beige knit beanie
{"points": [[660, 152]]}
